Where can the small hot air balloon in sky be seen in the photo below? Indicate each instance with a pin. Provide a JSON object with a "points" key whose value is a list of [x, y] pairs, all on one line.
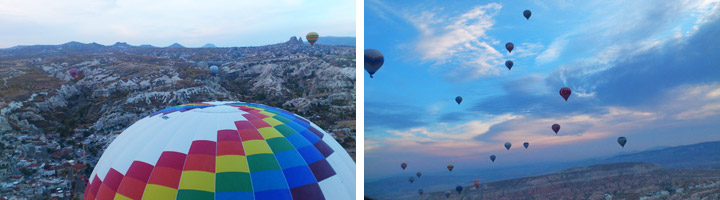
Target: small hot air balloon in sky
{"points": [[507, 145], [420, 191], [73, 72], [526, 144], [214, 70], [412, 179], [450, 167], [458, 99], [311, 37], [418, 174], [459, 189], [492, 157], [477, 183], [527, 14], [565, 93], [556, 128], [373, 61], [509, 64], [622, 141], [509, 46], [447, 194], [403, 165]]}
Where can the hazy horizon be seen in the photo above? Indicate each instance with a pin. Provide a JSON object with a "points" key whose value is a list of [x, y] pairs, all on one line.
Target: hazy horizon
{"points": [[162, 23]]}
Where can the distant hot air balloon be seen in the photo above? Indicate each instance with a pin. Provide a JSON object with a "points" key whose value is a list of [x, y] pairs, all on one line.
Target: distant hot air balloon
{"points": [[509, 46], [526, 144], [492, 157], [412, 179], [450, 167], [311, 37], [418, 174], [477, 183], [622, 141], [459, 189], [527, 14], [373, 61], [509, 64], [73, 72], [447, 194], [565, 93], [420, 191], [458, 99], [507, 145], [403, 165], [556, 128], [214, 70]]}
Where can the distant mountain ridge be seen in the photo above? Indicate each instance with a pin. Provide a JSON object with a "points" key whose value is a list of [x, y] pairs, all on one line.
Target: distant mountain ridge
{"points": [[704, 155]]}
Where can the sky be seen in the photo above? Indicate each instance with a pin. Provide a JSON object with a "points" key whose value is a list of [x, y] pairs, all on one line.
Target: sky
{"points": [[164, 22], [646, 70]]}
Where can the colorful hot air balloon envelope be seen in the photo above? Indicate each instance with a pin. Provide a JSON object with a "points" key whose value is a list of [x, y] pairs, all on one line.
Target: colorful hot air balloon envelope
{"points": [[418, 174], [565, 93], [451, 167], [526, 144], [420, 191], [492, 157], [459, 189], [412, 179], [223, 150], [403, 166], [458, 99], [507, 145], [477, 183], [373, 61], [509, 46], [73, 72], [509, 64], [622, 141], [214, 70], [556, 128], [312, 37], [527, 14]]}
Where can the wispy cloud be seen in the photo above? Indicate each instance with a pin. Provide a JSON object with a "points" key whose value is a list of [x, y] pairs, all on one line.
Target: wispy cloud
{"points": [[446, 39]]}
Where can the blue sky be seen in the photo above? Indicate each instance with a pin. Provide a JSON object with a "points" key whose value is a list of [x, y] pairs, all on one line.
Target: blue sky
{"points": [[646, 70], [163, 22]]}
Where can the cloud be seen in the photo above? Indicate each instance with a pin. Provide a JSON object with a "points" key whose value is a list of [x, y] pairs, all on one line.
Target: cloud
{"points": [[393, 116], [446, 39]]}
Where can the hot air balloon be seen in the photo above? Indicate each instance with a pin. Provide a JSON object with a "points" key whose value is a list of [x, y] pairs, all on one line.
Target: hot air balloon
{"points": [[420, 191], [458, 99], [477, 183], [447, 194], [526, 144], [492, 157], [311, 37], [509, 46], [418, 174], [459, 189], [527, 14], [507, 145], [565, 93], [556, 128], [412, 179], [622, 141], [373, 61], [450, 167], [509, 64], [403, 165], [73, 72], [223, 150], [214, 70]]}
